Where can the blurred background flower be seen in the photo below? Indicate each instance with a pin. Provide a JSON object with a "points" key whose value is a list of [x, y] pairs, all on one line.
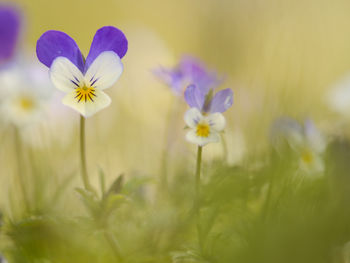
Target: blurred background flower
{"points": [[26, 92], [306, 140], [189, 71], [10, 21]]}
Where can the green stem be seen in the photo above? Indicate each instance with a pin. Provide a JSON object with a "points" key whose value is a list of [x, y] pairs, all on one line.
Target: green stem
{"points": [[114, 245], [268, 199], [20, 173], [224, 146], [198, 172], [108, 236], [168, 133], [84, 173], [197, 195]]}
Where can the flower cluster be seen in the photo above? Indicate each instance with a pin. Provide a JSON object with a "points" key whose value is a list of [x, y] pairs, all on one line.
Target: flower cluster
{"points": [[84, 80], [204, 118]]}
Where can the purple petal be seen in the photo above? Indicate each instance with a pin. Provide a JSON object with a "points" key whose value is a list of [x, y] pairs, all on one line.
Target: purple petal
{"points": [[53, 44], [164, 74], [194, 97], [172, 78], [221, 101], [107, 38], [9, 31], [197, 73]]}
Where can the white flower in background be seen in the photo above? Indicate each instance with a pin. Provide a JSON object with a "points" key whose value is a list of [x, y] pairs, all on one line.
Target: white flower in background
{"points": [[313, 147], [22, 108], [306, 140], [338, 98], [25, 90], [204, 128]]}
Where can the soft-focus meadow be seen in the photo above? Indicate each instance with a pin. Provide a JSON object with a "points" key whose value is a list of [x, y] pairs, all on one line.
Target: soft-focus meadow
{"points": [[275, 189]]}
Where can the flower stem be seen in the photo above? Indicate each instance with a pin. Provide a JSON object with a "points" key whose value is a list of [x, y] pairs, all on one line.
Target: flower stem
{"points": [[84, 173], [167, 144], [197, 196], [224, 147], [20, 173], [114, 245], [268, 199], [108, 236], [198, 173]]}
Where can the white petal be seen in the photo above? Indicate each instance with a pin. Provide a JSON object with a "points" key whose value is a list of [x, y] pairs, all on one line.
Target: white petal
{"points": [[314, 138], [105, 70], [216, 121], [192, 117], [88, 108], [338, 99], [65, 75], [192, 137], [316, 165]]}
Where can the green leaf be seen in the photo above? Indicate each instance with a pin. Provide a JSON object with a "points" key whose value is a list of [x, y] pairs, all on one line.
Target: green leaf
{"points": [[116, 186]]}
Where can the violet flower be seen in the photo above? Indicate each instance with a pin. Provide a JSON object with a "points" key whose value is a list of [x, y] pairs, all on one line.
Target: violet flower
{"points": [[204, 118], [189, 71], [9, 32], [204, 101], [84, 80]]}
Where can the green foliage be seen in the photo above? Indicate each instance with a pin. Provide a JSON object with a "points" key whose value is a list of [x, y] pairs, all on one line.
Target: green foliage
{"points": [[267, 211]]}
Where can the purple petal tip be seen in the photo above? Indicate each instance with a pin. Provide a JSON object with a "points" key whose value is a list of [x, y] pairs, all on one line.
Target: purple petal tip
{"points": [[53, 44], [222, 101], [107, 38]]}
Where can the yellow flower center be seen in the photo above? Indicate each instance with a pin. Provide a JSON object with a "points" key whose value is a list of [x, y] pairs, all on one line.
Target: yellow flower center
{"points": [[85, 94], [26, 103], [203, 129], [307, 157]]}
